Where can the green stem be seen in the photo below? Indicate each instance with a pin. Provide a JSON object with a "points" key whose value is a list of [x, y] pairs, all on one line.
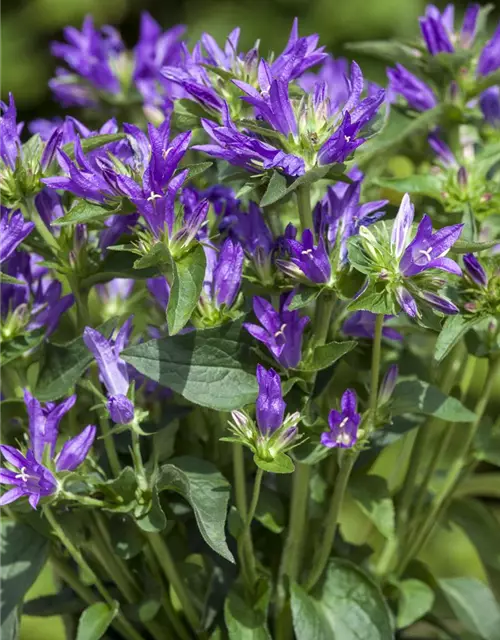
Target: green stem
{"points": [[441, 499], [305, 209], [375, 372], [127, 629], [322, 318], [167, 564], [331, 521], [247, 552], [31, 212], [239, 480], [109, 443]]}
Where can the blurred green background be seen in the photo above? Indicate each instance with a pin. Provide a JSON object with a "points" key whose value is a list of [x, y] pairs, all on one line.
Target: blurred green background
{"points": [[28, 27]]}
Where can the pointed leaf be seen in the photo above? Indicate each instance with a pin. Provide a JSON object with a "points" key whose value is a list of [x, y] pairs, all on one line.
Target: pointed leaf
{"points": [[187, 282], [95, 620], [454, 329], [417, 396], [82, 213], [246, 622], [276, 189], [373, 497], [92, 143], [281, 464], [325, 355], [415, 600], [422, 184]]}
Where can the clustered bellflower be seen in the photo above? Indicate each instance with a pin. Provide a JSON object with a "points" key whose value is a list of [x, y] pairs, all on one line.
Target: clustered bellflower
{"points": [[34, 473], [343, 431], [13, 230], [274, 433]]}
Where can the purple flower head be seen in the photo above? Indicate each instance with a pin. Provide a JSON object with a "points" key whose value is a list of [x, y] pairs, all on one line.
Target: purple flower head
{"points": [[339, 215], [388, 384], [270, 406], [159, 289], [10, 142], [300, 54], [417, 94], [489, 101], [13, 230], [33, 479], [437, 30], [361, 324], [343, 424], [442, 150], [334, 74], [281, 331], [224, 272], [306, 260], [489, 60], [113, 370], [92, 55], [49, 206], [475, 270]]}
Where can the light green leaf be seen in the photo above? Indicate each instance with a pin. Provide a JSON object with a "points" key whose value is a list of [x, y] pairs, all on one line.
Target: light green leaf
{"points": [[346, 605], [325, 355], [207, 491], [23, 553], [92, 143], [95, 620], [6, 279], [281, 464], [83, 212], [415, 600], [464, 246], [481, 527], [373, 497], [422, 184], [454, 329], [474, 605], [303, 297], [276, 189], [417, 396], [64, 365], [387, 50], [154, 519], [197, 168], [487, 442], [246, 622], [213, 367], [481, 484], [188, 274]]}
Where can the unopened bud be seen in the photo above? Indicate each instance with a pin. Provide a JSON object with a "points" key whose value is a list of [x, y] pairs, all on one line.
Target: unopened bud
{"points": [[462, 177]]}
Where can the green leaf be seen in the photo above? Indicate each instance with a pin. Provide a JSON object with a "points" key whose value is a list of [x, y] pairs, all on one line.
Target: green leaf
{"points": [[481, 484], [154, 519], [10, 625], [346, 605], [417, 396], [303, 297], [19, 346], [464, 246], [95, 620], [281, 464], [118, 264], [270, 511], [64, 365], [207, 491], [480, 526], [373, 497], [423, 184], [276, 189], [92, 143], [23, 553], [197, 168], [57, 604], [415, 600], [487, 442], [474, 605], [125, 537], [120, 492], [6, 279], [83, 212], [387, 50], [188, 274], [454, 329], [325, 355], [245, 622], [157, 257], [213, 367], [381, 302]]}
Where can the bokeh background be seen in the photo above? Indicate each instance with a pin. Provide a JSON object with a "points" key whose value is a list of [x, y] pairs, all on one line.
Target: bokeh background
{"points": [[28, 27]]}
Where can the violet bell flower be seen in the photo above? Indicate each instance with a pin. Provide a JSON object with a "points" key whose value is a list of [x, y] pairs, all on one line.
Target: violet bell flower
{"points": [[416, 92], [30, 477], [438, 29], [343, 424], [475, 270], [113, 370], [361, 324], [223, 273], [281, 331], [270, 406], [307, 262], [13, 230], [489, 102]]}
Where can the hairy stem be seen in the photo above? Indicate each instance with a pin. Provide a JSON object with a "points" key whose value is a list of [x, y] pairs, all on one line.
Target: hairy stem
{"points": [[246, 545]]}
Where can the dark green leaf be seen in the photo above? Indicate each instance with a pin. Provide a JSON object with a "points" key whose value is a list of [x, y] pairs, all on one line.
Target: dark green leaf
{"points": [[207, 491], [415, 600], [126, 539], [57, 604], [417, 396], [118, 264], [243, 621], [154, 519], [95, 620], [20, 345], [422, 184], [92, 143], [487, 442], [187, 282], [270, 511], [346, 605], [281, 464], [474, 605], [481, 527], [325, 355], [387, 50], [373, 497], [276, 189], [214, 367], [197, 169], [304, 297], [120, 492], [10, 625], [454, 329], [83, 212], [64, 365], [23, 553]]}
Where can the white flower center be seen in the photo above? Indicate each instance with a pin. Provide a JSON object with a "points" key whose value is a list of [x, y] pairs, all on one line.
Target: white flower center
{"points": [[281, 332], [153, 196], [23, 475]]}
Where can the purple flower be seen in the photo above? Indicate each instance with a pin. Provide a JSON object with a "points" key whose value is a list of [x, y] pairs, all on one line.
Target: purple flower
{"points": [[334, 73], [113, 370], [159, 289], [10, 143], [33, 479], [307, 261], [475, 270], [418, 94], [92, 55], [361, 324], [489, 60], [442, 150], [437, 29], [13, 230], [49, 206], [489, 101], [270, 406], [224, 272], [281, 331], [343, 424], [388, 384]]}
